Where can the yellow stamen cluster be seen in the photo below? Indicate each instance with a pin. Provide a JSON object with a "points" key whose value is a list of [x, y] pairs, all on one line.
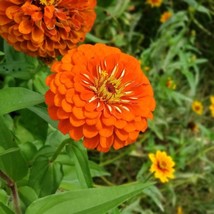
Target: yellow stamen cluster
{"points": [[108, 88], [47, 2]]}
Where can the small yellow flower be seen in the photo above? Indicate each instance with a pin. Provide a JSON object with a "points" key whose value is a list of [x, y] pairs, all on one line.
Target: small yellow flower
{"points": [[211, 107], [165, 16], [197, 107], [179, 210], [212, 99], [162, 166], [154, 3], [170, 83]]}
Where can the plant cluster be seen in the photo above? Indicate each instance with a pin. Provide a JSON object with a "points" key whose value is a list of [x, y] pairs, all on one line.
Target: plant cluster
{"points": [[106, 106]]}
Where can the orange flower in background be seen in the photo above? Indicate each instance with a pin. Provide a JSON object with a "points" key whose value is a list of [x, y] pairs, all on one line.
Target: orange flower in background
{"points": [[45, 28], [101, 95], [165, 16], [154, 3], [162, 166], [197, 107]]}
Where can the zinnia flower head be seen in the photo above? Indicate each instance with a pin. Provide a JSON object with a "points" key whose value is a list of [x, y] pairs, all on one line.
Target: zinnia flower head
{"points": [[101, 95], [197, 107], [165, 16], [162, 166], [154, 3], [45, 28]]}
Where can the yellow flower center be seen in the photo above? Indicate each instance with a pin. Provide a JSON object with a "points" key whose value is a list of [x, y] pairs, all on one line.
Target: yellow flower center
{"points": [[107, 87], [47, 2]]}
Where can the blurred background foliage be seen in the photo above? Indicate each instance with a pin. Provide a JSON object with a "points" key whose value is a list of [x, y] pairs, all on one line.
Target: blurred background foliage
{"points": [[178, 58]]}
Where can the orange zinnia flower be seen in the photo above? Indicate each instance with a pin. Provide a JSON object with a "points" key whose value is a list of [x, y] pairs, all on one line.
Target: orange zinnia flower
{"points": [[101, 95], [45, 28]]}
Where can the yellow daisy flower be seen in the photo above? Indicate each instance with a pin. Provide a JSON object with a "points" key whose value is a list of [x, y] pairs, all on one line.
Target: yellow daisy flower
{"points": [[212, 99], [197, 107], [179, 210], [154, 3], [162, 166], [211, 107]]}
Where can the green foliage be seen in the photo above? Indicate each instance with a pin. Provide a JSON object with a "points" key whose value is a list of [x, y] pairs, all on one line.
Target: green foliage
{"points": [[53, 174], [96, 200]]}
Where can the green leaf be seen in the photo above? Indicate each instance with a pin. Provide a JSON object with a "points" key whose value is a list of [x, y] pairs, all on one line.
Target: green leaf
{"points": [[16, 98], [30, 121], [97, 170], [27, 194], [8, 151], [95, 39], [45, 176], [81, 164], [154, 193], [42, 112], [12, 163], [4, 209], [118, 8], [90, 201], [4, 197]]}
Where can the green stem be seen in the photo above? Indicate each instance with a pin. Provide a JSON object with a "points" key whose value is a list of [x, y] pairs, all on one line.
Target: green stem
{"points": [[59, 149], [12, 185], [116, 158], [197, 156]]}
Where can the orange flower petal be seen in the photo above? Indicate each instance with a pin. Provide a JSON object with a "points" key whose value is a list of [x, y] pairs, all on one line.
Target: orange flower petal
{"points": [[75, 121], [76, 133], [89, 131], [64, 126], [25, 26], [121, 134], [78, 112], [37, 35], [118, 144], [91, 143], [106, 131], [67, 107], [52, 111], [62, 114]]}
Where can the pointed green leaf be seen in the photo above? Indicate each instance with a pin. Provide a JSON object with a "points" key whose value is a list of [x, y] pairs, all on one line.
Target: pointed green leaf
{"points": [[45, 176], [5, 210], [16, 98], [12, 163], [81, 164], [42, 112], [90, 201]]}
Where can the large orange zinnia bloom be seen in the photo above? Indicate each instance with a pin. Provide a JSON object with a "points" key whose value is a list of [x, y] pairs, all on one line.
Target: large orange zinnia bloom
{"points": [[45, 28], [101, 95]]}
